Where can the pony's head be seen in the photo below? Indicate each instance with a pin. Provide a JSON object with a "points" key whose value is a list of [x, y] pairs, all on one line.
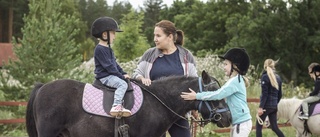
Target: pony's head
{"points": [[216, 111]]}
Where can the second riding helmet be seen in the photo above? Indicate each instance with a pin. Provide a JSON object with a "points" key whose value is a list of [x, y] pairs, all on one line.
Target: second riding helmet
{"points": [[103, 24], [239, 57], [315, 69]]}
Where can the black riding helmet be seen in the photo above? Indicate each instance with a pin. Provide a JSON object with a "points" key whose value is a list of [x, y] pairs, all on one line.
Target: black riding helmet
{"points": [[103, 24], [315, 69], [238, 57]]}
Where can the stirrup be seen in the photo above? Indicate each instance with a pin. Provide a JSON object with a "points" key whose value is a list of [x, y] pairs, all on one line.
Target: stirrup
{"points": [[304, 117]]}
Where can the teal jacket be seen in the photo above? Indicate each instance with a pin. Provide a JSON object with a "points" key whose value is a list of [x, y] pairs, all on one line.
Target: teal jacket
{"points": [[236, 98]]}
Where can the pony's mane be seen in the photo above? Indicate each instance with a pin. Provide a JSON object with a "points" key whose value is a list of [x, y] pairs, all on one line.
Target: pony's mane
{"points": [[173, 77], [291, 102], [165, 85], [288, 106]]}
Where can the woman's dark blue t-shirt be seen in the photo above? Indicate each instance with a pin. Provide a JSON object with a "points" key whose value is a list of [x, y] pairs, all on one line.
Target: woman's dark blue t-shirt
{"points": [[167, 65]]}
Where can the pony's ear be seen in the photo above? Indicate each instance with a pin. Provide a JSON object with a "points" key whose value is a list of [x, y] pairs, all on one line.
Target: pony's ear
{"points": [[205, 77]]}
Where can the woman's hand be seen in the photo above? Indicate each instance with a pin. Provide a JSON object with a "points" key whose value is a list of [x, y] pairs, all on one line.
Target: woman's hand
{"points": [[260, 111], [195, 114], [189, 95], [146, 81]]}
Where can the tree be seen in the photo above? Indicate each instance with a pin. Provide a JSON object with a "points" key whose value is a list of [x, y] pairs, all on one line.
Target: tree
{"points": [[73, 7], [275, 30], [151, 17], [204, 24], [178, 7], [119, 9], [130, 43], [91, 10], [47, 49]]}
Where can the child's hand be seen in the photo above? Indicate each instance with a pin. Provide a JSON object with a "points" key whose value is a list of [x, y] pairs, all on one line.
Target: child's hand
{"points": [[189, 95], [126, 76]]}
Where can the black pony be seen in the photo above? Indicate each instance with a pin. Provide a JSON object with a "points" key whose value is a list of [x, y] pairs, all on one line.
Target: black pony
{"points": [[55, 109]]}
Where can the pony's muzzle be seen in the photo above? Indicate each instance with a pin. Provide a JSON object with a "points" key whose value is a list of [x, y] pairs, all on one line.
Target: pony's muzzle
{"points": [[217, 117]]}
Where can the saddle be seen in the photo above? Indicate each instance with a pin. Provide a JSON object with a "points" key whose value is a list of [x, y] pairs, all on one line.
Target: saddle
{"points": [[98, 98], [314, 108]]}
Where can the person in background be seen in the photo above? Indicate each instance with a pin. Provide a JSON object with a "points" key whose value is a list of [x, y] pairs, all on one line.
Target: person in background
{"points": [[107, 69], [271, 93], [167, 58], [236, 64], [314, 72]]}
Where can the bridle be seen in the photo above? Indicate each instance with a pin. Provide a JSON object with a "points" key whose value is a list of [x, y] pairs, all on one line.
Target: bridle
{"points": [[215, 113]]}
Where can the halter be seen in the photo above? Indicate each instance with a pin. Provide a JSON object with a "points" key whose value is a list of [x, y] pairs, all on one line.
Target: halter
{"points": [[214, 112]]}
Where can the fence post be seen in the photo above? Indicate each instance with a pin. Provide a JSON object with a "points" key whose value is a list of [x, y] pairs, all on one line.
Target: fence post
{"points": [[12, 121]]}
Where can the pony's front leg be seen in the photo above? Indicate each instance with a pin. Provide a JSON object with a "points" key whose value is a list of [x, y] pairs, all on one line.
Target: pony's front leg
{"points": [[301, 134], [297, 133]]}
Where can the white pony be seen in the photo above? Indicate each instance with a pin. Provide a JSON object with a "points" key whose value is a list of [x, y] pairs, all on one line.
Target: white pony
{"points": [[288, 109]]}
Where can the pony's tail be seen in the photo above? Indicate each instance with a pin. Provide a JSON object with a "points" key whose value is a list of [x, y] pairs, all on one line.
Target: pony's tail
{"points": [[30, 121]]}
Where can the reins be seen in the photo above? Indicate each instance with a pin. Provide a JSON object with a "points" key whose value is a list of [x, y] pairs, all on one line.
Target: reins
{"points": [[159, 100]]}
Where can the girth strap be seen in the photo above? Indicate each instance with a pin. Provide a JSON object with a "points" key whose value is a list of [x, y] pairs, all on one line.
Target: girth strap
{"points": [[116, 125], [124, 130], [120, 128]]}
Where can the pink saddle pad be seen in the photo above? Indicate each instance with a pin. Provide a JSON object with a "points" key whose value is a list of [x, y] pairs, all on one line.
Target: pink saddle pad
{"points": [[92, 101], [316, 109]]}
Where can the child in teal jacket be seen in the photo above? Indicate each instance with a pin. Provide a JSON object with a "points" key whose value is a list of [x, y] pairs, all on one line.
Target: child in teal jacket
{"points": [[236, 64]]}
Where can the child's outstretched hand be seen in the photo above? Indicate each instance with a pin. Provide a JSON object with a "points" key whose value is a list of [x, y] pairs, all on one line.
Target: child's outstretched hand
{"points": [[189, 95]]}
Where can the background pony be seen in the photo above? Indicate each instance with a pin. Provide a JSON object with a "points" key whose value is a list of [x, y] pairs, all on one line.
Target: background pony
{"points": [[288, 109]]}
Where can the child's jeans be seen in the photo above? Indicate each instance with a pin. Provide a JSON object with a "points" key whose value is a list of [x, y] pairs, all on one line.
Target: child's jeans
{"points": [[307, 100], [116, 82]]}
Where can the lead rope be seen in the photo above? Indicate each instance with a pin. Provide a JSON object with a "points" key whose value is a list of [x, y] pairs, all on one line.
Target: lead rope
{"points": [[260, 121]]}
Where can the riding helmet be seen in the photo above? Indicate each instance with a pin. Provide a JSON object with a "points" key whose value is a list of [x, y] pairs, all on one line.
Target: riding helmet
{"points": [[316, 68], [239, 57], [103, 24]]}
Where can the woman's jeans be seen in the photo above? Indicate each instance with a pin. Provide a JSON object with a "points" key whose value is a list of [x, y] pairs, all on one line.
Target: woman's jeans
{"points": [[272, 114]]}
